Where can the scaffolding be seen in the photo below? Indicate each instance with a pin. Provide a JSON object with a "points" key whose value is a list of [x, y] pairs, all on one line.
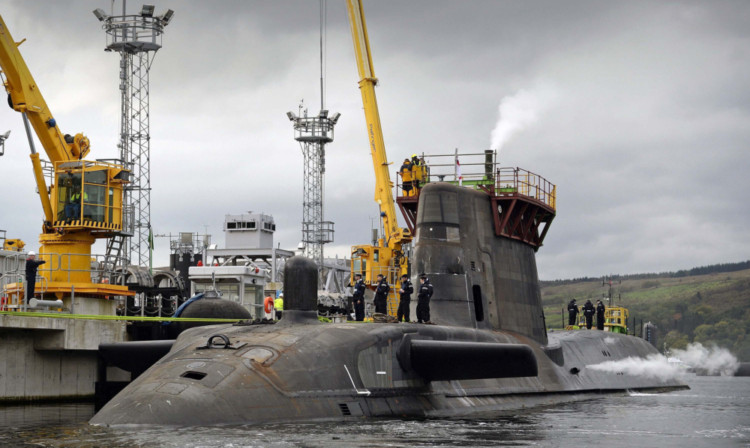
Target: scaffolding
{"points": [[137, 38]]}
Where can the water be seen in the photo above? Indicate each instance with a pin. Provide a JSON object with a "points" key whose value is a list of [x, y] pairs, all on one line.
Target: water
{"points": [[714, 413]]}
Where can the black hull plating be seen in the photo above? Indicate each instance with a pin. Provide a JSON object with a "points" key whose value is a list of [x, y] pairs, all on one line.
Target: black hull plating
{"points": [[310, 372]]}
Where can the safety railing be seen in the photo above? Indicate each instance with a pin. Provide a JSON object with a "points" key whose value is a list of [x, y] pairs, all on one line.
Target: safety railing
{"points": [[475, 170], [56, 263], [511, 181]]}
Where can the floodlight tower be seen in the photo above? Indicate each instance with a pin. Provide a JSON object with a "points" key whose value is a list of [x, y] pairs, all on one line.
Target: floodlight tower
{"points": [[137, 37], [313, 133]]}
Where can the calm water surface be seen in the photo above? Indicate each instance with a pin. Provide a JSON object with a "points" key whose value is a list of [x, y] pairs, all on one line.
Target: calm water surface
{"points": [[714, 413]]}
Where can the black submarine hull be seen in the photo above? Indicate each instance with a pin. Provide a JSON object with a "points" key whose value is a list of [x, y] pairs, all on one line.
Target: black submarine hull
{"points": [[275, 373], [490, 352]]}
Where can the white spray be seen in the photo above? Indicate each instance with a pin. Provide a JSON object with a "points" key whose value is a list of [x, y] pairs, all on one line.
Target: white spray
{"points": [[519, 111], [713, 360]]}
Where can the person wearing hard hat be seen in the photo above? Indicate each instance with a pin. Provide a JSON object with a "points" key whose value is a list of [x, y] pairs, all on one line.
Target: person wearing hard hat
{"points": [[278, 304], [406, 177], [31, 267], [417, 177]]}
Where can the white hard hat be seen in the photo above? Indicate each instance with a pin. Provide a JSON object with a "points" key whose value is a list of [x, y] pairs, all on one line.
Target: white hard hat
{"points": [[281, 294], [32, 253]]}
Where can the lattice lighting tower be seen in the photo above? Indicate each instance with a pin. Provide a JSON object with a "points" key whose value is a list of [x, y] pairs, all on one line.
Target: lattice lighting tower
{"points": [[313, 133], [136, 37]]}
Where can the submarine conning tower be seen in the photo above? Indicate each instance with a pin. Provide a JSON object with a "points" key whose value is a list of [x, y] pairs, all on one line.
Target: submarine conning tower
{"points": [[476, 239]]}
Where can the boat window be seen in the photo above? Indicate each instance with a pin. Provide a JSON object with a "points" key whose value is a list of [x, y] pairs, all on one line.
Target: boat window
{"points": [[442, 207], [431, 209]]}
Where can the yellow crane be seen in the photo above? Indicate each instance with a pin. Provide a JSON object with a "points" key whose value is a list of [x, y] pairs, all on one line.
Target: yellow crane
{"points": [[387, 257], [84, 201]]}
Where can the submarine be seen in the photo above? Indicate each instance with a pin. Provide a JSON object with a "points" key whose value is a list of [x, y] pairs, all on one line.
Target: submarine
{"points": [[488, 350]]}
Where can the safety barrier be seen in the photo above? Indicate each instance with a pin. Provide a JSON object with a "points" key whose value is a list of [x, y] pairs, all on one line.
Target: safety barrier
{"points": [[479, 171]]}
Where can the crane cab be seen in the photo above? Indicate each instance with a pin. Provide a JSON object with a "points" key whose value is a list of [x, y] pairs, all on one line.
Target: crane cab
{"points": [[88, 195]]}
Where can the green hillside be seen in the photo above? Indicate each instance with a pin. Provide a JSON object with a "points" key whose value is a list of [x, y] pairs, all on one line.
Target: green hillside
{"points": [[686, 306]]}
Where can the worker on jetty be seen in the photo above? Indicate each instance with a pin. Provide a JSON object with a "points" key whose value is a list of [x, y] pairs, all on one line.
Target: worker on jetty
{"points": [[572, 312], [381, 295], [278, 305], [31, 267], [423, 299], [359, 298], [588, 312], [404, 299], [599, 315]]}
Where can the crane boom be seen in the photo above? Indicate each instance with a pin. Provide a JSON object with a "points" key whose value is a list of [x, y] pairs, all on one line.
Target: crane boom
{"points": [[367, 83], [25, 97], [387, 258], [84, 201]]}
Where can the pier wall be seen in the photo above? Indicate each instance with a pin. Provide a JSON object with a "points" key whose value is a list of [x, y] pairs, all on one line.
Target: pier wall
{"points": [[46, 358]]}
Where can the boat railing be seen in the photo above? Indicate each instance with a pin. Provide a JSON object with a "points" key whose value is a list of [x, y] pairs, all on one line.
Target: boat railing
{"points": [[478, 171]]}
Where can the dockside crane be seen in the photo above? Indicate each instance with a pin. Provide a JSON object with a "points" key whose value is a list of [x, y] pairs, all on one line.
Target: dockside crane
{"points": [[387, 257], [83, 202]]}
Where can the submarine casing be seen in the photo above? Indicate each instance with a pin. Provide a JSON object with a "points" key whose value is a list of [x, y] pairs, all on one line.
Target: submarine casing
{"points": [[301, 370]]}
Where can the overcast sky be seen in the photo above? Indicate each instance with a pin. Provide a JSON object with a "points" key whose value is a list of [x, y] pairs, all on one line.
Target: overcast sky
{"points": [[639, 112]]}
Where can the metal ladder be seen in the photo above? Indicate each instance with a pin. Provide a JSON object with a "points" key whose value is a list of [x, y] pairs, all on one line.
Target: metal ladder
{"points": [[112, 256]]}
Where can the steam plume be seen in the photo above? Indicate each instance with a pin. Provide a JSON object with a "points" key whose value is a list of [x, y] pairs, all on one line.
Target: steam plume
{"points": [[519, 111]]}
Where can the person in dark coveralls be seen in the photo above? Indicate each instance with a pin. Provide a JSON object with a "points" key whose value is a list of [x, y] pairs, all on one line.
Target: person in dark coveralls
{"points": [[423, 299], [572, 312], [599, 315], [359, 298], [405, 298], [31, 267], [381, 295], [588, 312]]}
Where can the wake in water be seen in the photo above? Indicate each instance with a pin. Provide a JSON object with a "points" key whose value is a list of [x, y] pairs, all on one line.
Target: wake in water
{"points": [[713, 361]]}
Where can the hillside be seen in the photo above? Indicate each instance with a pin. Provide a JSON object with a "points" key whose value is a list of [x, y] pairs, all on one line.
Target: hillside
{"points": [[686, 306]]}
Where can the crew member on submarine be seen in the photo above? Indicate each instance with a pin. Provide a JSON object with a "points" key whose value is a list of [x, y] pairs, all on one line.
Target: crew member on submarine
{"points": [[572, 312], [599, 315], [381, 295], [423, 299], [359, 298], [404, 299], [588, 312]]}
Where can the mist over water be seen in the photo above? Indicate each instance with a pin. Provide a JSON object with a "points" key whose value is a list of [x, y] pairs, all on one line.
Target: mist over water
{"points": [[712, 360]]}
